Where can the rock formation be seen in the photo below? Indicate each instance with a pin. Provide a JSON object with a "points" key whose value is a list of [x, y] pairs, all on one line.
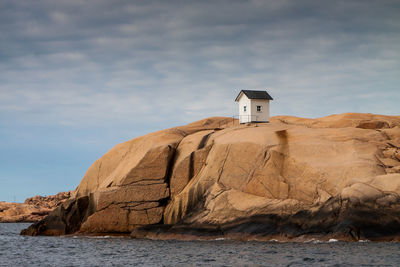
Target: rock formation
{"points": [[293, 177], [33, 209]]}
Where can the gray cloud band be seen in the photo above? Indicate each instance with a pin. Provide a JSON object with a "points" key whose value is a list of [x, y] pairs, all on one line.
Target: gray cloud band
{"points": [[103, 60]]}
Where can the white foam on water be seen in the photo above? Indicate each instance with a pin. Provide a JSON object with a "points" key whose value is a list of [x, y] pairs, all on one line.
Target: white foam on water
{"points": [[333, 240], [318, 242]]}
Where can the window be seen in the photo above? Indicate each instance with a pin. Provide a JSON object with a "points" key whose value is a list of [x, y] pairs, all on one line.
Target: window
{"points": [[258, 108], [244, 108]]}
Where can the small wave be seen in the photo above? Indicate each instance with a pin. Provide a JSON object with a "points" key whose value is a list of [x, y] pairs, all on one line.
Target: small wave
{"points": [[333, 240], [219, 239], [273, 240], [363, 241]]}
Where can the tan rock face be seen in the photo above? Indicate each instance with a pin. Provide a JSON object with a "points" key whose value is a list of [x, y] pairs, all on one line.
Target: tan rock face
{"points": [[122, 209], [143, 158], [278, 162], [189, 159], [130, 194], [129, 185], [358, 120], [215, 173]]}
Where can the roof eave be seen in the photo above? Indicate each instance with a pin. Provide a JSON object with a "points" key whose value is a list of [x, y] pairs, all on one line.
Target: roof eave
{"points": [[243, 92], [239, 96]]}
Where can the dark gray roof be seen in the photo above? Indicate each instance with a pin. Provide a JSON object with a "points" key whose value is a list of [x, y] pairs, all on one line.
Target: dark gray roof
{"points": [[252, 94]]}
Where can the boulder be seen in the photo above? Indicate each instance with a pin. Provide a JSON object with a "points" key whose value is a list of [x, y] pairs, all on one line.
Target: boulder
{"points": [[65, 219], [335, 176]]}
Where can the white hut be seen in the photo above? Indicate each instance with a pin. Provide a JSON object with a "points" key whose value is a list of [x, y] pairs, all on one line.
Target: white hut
{"points": [[253, 106]]}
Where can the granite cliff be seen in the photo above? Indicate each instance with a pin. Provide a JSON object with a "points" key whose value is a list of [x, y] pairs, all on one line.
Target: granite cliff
{"points": [[336, 177]]}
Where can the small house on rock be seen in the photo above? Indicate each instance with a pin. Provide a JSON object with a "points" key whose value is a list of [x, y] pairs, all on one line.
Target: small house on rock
{"points": [[253, 106]]}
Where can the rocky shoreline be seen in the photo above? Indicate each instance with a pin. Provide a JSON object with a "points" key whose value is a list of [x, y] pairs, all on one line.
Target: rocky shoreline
{"points": [[336, 177], [335, 220], [33, 209]]}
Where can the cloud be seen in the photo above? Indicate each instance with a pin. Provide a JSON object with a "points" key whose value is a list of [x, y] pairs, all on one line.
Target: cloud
{"points": [[82, 61]]}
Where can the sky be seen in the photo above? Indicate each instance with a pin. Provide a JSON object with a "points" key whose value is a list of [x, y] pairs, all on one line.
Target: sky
{"points": [[80, 76]]}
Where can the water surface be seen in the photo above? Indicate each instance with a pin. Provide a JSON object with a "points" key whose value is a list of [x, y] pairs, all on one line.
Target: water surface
{"points": [[16, 250]]}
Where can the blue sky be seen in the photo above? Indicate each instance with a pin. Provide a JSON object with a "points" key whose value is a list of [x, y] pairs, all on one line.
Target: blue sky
{"points": [[78, 77]]}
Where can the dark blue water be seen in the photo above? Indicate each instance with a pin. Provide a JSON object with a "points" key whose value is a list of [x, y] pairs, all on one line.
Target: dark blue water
{"points": [[16, 250]]}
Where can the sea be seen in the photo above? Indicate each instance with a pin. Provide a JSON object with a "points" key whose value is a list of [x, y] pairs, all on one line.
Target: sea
{"points": [[16, 250]]}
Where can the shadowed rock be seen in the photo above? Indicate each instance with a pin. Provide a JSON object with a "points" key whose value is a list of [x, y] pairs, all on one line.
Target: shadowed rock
{"points": [[65, 219]]}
